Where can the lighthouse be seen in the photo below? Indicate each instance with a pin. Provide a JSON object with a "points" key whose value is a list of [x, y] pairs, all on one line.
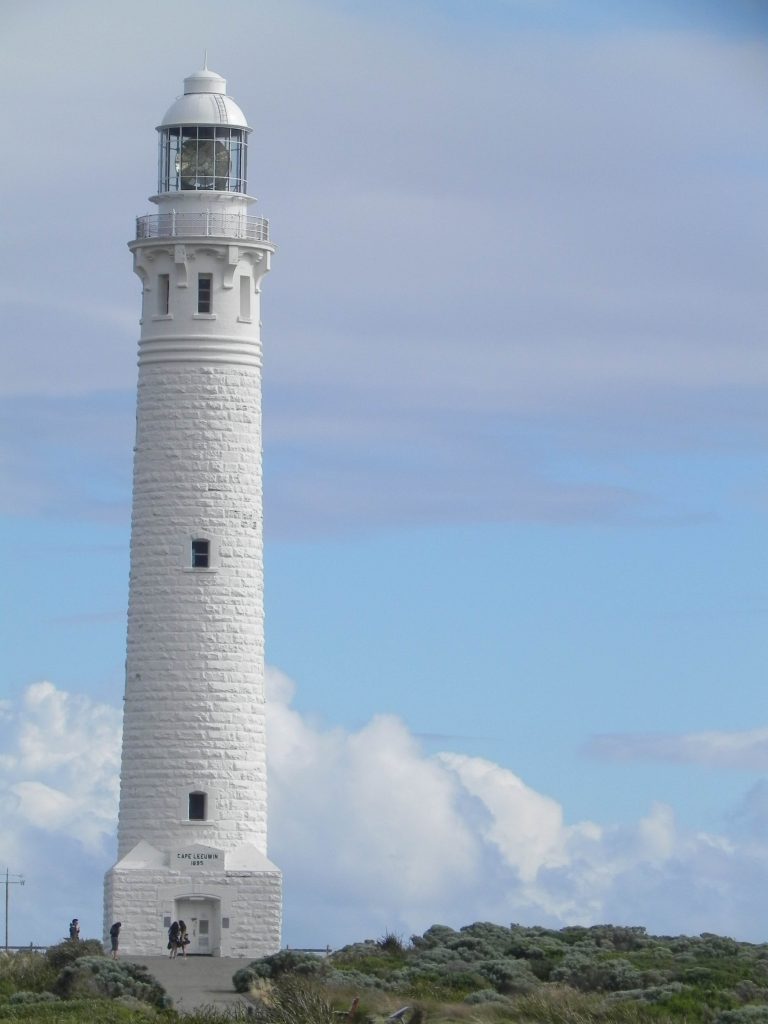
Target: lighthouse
{"points": [[192, 826]]}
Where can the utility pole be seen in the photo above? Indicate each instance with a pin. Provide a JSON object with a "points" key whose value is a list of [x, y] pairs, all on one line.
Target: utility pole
{"points": [[10, 880]]}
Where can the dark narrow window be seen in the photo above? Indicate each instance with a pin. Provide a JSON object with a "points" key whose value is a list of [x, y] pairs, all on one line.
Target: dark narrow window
{"points": [[245, 297], [198, 806], [163, 294], [204, 293], [201, 554]]}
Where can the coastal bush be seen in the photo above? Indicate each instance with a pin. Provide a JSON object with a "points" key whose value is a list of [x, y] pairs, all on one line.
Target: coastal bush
{"points": [[353, 980], [486, 995], [67, 952], [744, 1015], [391, 944], [100, 977], [19, 998], [508, 976], [590, 973], [371, 958], [286, 961], [437, 935], [25, 970]]}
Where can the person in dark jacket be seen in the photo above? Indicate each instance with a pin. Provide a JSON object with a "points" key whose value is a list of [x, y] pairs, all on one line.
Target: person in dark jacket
{"points": [[114, 938]]}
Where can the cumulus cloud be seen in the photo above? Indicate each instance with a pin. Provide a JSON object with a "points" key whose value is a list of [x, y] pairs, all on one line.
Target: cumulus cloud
{"points": [[401, 840], [745, 751], [60, 764], [372, 834]]}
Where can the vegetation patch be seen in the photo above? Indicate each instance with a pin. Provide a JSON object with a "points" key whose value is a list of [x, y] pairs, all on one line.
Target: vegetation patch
{"points": [[575, 975], [484, 973]]}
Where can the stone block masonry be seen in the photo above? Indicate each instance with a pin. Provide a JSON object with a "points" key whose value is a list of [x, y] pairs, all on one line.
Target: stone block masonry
{"points": [[192, 825], [251, 905], [194, 709]]}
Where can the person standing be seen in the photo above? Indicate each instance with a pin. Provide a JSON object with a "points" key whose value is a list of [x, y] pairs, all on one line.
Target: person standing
{"points": [[74, 929], [183, 939], [114, 938], [173, 939]]}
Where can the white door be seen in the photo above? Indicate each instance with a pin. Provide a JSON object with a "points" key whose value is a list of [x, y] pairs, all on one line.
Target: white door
{"points": [[200, 917]]}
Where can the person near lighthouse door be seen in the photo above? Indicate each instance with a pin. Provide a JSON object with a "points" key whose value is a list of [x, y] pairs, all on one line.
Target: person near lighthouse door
{"points": [[173, 939]]}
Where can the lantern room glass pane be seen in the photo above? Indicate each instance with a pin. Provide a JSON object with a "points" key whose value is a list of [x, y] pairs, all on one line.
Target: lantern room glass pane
{"points": [[202, 158]]}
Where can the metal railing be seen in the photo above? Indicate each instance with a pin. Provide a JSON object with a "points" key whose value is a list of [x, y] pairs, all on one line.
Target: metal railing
{"points": [[207, 224]]}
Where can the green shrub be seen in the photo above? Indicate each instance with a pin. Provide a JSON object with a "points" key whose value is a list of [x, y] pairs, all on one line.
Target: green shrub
{"points": [[437, 935], [508, 976], [744, 1015], [391, 944], [654, 994], [592, 973], [100, 977], [287, 961], [353, 979], [25, 970], [67, 952], [486, 995], [19, 998]]}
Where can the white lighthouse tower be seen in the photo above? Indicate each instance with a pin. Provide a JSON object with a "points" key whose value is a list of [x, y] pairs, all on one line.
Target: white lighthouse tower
{"points": [[192, 831]]}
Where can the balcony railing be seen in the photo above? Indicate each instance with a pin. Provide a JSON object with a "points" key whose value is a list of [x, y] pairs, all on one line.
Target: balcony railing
{"points": [[209, 223]]}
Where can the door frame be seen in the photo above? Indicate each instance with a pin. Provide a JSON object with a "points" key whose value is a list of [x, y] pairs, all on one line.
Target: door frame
{"points": [[213, 905]]}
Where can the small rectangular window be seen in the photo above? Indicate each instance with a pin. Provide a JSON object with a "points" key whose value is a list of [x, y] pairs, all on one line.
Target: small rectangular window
{"points": [[245, 297], [163, 294], [197, 806], [204, 286], [201, 554]]}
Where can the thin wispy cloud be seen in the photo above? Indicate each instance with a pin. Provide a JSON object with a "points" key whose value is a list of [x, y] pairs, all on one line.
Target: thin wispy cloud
{"points": [[744, 751], [520, 256]]}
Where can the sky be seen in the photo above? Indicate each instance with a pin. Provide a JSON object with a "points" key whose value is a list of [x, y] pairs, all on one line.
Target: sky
{"points": [[515, 426]]}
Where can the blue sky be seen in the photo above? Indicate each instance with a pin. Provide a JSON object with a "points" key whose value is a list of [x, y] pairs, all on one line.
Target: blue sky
{"points": [[515, 431]]}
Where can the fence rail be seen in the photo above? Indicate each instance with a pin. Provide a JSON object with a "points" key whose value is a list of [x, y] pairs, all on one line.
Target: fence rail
{"points": [[206, 224]]}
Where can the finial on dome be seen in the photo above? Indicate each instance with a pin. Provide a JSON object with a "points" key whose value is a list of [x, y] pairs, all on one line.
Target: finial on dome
{"points": [[205, 60]]}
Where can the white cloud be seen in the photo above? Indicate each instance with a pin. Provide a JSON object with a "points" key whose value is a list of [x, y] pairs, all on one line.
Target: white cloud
{"points": [[61, 764], [373, 835], [400, 840]]}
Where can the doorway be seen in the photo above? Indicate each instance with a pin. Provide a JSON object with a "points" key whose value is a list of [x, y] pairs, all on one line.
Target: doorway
{"points": [[201, 914]]}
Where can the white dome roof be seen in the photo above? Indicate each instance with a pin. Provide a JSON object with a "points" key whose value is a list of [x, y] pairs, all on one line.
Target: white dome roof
{"points": [[205, 101]]}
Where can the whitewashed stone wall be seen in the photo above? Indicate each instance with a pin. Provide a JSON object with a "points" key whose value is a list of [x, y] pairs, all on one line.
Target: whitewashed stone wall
{"points": [[194, 707], [194, 714], [250, 901]]}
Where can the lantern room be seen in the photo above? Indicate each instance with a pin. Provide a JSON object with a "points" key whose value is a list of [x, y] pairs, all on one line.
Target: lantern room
{"points": [[203, 140]]}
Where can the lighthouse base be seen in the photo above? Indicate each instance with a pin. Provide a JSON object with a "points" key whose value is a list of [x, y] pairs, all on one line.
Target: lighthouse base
{"points": [[230, 902]]}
